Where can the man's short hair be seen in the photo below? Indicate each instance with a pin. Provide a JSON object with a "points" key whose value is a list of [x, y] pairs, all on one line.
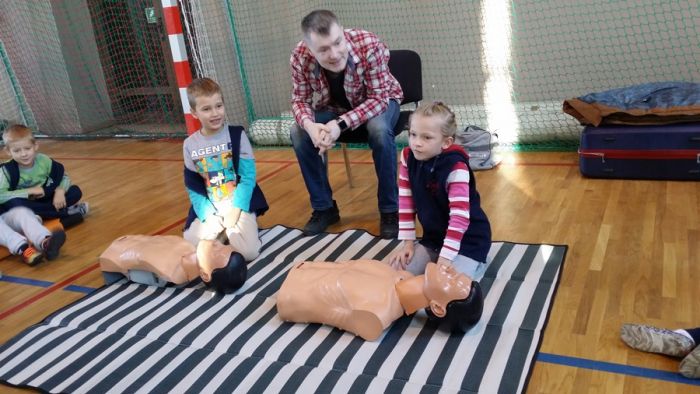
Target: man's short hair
{"points": [[202, 87], [16, 133], [319, 22]]}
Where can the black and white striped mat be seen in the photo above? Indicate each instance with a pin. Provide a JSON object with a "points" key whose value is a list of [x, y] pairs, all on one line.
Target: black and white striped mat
{"points": [[138, 339]]}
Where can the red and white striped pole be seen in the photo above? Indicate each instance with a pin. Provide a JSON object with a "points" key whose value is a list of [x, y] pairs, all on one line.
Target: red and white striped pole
{"points": [[183, 73]]}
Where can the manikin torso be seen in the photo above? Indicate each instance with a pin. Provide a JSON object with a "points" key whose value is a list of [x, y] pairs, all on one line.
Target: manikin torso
{"points": [[170, 257], [337, 294]]}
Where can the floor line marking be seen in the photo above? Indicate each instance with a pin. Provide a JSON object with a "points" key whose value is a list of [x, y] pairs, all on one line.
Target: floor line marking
{"points": [[85, 271]]}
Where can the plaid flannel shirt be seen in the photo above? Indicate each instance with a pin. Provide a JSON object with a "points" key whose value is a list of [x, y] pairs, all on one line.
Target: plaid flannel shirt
{"points": [[368, 83]]}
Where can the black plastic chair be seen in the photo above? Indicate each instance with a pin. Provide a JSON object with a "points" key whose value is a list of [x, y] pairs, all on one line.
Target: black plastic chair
{"points": [[405, 66]]}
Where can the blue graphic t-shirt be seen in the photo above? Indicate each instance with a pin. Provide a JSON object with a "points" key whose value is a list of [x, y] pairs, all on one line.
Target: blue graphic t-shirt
{"points": [[210, 156]]}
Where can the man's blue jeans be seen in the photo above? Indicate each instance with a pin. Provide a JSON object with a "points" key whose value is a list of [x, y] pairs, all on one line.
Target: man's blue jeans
{"points": [[314, 169]]}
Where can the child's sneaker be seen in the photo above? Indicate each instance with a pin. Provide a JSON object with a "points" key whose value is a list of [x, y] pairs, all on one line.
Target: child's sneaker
{"points": [[71, 220], [52, 244], [30, 255], [690, 365], [83, 208], [656, 340]]}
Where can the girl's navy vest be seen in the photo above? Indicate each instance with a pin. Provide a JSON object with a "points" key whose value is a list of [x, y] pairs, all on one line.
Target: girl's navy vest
{"points": [[428, 181]]}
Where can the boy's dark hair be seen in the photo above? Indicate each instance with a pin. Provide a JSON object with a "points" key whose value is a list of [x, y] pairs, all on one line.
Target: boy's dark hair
{"points": [[319, 22], [202, 87]]}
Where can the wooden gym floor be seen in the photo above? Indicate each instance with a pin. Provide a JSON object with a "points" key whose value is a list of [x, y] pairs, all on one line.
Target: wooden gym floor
{"points": [[634, 246]]}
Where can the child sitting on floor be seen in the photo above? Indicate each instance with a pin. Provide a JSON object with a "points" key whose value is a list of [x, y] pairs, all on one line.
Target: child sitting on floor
{"points": [[33, 180]]}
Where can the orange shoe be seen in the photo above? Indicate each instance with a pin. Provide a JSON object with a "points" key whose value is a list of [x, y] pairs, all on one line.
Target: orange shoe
{"points": [[30, 255]]}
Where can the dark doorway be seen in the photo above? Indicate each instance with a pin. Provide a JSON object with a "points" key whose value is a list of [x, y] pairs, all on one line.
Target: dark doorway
{"points": [[136, 59]]}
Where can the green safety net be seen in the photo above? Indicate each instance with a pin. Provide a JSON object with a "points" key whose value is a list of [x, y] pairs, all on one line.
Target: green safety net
{"points": [[103, 67]]}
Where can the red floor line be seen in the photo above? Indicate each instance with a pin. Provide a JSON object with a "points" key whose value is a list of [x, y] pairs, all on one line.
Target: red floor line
{"points": [[47, 291], [115, 159], [524, 164], [68, 281], [275, 172], [61, 158], [289, 162], [295, 162], [169, 227], [540, 164]]}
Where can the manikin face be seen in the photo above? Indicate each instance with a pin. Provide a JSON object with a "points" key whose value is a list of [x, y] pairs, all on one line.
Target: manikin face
{"points": [[212, 255], [211, 112], [23, 151], [444, 284], [330, 51], [425, 137]]}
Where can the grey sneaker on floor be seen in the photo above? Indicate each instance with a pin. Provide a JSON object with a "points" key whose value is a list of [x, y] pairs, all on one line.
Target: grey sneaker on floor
{"points": [[690, 365], [656, 340], [83, 208]]}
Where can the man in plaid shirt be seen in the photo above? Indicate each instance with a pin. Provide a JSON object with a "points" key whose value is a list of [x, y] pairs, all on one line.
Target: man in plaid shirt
{"points": [[341, 81]]}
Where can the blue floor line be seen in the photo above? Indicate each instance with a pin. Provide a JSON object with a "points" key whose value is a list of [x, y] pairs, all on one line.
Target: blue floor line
{"points": [[568, 361], [25, 281], [42, 283], [648, 373], [79, 289]]}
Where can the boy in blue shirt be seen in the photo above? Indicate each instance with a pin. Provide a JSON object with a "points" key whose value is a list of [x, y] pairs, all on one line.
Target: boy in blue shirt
{"points": [[220, 176]]}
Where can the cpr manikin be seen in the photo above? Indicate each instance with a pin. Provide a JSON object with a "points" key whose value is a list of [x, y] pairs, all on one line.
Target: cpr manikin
{"points": [[161, 259], [365, 296]]}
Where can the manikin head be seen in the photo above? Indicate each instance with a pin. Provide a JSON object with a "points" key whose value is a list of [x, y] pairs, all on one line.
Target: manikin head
{"points": [[453, 297], [220, 267], [432, 129], [161, 259], [325, 39], [20, 145]]}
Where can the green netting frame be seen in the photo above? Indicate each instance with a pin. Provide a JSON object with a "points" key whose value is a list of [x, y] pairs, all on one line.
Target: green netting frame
{"points": [[505, 65]]}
